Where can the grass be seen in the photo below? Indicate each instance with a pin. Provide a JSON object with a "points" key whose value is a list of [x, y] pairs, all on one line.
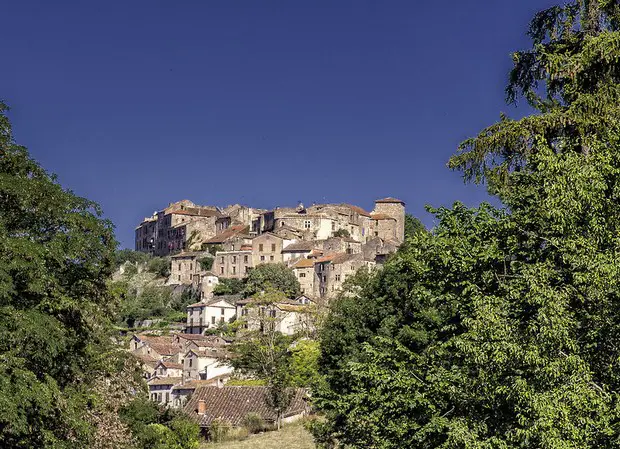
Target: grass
{"points": [[291, 436]]}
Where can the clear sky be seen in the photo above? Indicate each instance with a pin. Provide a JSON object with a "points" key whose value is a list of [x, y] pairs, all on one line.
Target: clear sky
{"points": [[136, 104]]}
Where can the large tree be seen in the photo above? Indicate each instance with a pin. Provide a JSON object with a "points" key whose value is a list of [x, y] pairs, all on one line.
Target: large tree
{"points": [[56, 254], [501, 328]]}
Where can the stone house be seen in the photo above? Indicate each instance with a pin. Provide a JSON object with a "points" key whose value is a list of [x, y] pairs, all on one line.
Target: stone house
{"points": [[206, 364], [267, 248], [346, 245], [160, 389], [304, 272], [185, 267], [388, 219], [147, 364], [378, 250], [164, 368], [184, 390], [234, 403], [168, 230], [204, 284], [332, 270], [296, 250], [158, 347], [288, 317], [233, 264], [231, 239]]}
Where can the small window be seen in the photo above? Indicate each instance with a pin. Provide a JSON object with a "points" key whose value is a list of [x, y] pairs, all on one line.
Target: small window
{"points": [[179, 267], [234, 259], [190, 363], [167, 397], [273, 247], [333, 225], [247, 269], [262, 258], [245, 259], [260, 247], [222, 311], [158, 397], [338, 278], [191, 266], [221, 319], [234, 270], [222, 259], [307, 224], [271, 258], [212, 320], [179, 276], [221, 270], [302, 275]]}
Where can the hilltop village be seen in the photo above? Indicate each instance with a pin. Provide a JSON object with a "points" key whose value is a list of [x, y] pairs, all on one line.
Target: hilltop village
{"points": [[322, 245]]}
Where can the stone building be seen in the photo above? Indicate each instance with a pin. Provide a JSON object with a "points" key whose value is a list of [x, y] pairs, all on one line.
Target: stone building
{"points": [[340, 245], [209, 314], [389, 219], [332, 270], [304, 272], [233, 264], [297, 250], [289, 316], [176, 227], [206, 364], [267, 248], [185, 267]]}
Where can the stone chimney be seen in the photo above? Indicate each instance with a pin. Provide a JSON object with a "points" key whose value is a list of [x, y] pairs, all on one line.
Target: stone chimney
{"points": [[202, 407]]}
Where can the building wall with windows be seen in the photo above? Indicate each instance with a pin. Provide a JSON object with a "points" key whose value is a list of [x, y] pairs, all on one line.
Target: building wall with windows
{"points": [[233, 264], [267, 248]]}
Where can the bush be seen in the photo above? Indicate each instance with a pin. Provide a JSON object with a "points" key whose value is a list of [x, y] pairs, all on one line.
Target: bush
{"points": [[229, 287], [219, 430], [206, 263], [160, 266], [254, 423], [342, 233]]}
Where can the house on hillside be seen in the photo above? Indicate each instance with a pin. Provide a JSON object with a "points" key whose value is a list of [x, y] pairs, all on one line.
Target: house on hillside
{"points": [[160, 389], [163, 368], [203, 315], [234, 404], [205, 364], [289, 316]]}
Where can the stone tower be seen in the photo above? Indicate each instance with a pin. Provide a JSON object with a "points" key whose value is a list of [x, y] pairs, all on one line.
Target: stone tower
{"points": [[396, 209]]}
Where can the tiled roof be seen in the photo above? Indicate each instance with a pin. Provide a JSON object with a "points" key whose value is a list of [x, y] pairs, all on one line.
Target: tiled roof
{"points": [[233, 231], [170, 365], [164, 381], [228, 299], [389, 200], [197, 304], [188, 254], [164, 348], [381, 217], [212, 353], [357, 209], [327, 258], [146, 359], [299, 246], [303, 263], [232, 404], [344, 257], [193, 384]]}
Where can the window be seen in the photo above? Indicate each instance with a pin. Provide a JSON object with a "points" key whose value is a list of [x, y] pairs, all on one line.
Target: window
{"points": [[247, 269], [202, 295], [234, 270], [245, 259], [221, 319], [222, 311], [179, 267], [222, 259], [190, 363], [333, 225], [271, 258], [272, 313], [221, 270], [262, 258], [307, 224], [273, 247], [376, 233], [191, 266], [234, 259], [260, 247], [338, 277], [167, 397], [212, 320], [302, 275], [179, 276], [158, 397]]}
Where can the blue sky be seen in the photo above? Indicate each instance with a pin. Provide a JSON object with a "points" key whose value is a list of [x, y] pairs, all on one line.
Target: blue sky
{"points": [[136, 104]]}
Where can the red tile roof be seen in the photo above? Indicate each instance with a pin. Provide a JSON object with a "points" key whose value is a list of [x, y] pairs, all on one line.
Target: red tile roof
{"points": [[303, 263], [164, 381], [233, 404], [389, 200], [381, 217]]}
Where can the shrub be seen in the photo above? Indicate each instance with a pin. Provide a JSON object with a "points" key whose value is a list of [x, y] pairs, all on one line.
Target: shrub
{"points": [[219, 430], [254, 423], [160, 266]]}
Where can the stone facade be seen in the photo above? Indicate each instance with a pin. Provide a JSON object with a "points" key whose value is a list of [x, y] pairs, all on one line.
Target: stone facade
{"points": [[304, 272], [267, 248], [394, 208], [233, 264], [185, 268], [332, 270]]}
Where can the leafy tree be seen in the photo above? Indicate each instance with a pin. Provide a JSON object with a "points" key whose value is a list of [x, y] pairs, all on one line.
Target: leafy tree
{"points": [[342, 233], [413, 226], [160, 266], [128, 255], [230, 286], [206, 263], [56, 253], [500, 328], [304, 363], [272, 276]]}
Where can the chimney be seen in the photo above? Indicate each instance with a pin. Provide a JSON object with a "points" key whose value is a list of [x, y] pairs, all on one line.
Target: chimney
{"points": [[202, 407]]}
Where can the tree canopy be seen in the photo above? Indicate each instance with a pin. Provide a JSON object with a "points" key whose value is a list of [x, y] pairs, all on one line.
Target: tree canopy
{"points": [[56, 253], [272, 277], [500, 328]]}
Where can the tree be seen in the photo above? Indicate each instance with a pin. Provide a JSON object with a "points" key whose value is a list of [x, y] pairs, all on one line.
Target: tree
{"points": [[342, 233], [500, 328], [272, 276], [160, 266], [229, 286], [413, 226], [56, 253]]}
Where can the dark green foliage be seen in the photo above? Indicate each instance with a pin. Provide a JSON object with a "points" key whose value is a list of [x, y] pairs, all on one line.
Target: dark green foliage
{"points": [[206, 263], [413, 226], [128, 255], [501, 328], [272, 277], [212, 249], [254, 423], [159, 266], [342, 233], [229, 287], [159, 427], [55, 256]]}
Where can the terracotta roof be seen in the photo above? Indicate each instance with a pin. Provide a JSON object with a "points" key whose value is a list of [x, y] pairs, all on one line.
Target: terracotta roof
{"points": [[357, 209], [233, 404], [170, 365], [389, 200], [233, 231], [246, 248], [211, 353], [146, 359], [164, 381], [381, 217], [344, 257], [303, 263], [164, 348], [299, 246], [197, 304], [228, 299], [193, 384], [191, 336], [327, 258]]}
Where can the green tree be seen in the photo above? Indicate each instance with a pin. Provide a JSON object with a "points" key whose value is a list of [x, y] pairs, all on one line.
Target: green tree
{"points": [[56, 253], [304, 363], [500, 328], [206, 263], [230, 286], [413, 226], [272, 277], [342, 233], [160, 266]]}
